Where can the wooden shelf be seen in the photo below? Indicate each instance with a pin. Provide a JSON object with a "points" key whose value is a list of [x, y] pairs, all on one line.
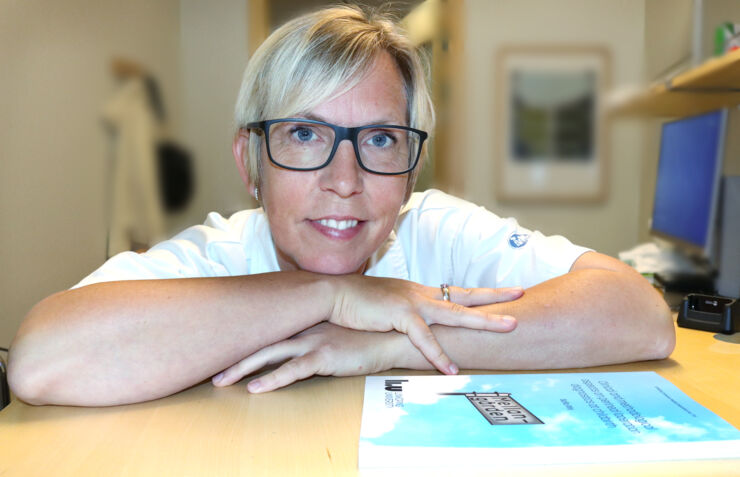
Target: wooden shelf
{"points": [[712, 85]]}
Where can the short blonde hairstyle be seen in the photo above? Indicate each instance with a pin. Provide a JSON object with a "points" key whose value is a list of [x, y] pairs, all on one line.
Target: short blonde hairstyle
{"points": [[319, 56]]}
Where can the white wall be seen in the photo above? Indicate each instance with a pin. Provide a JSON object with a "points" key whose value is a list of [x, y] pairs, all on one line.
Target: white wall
{"points": [[213, 53], [612, 225], [54, 79]]}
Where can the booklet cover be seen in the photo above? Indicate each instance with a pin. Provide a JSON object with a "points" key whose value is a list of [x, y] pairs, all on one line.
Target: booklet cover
{"points": [[488, 420]]}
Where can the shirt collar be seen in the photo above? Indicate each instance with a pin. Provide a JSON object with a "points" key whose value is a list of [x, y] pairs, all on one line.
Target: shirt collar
{"points": [[389, 260], [265, 259]]}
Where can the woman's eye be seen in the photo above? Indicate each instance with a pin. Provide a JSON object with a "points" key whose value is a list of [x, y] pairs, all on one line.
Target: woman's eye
{"points": [[381, 140], [303, 134]]}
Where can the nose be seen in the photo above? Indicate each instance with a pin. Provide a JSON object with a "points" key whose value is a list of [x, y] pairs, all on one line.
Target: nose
{"points": [[343, 175]]}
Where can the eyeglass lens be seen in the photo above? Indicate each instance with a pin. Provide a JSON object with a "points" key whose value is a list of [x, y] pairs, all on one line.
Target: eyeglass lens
{"points": [[302, 145]]}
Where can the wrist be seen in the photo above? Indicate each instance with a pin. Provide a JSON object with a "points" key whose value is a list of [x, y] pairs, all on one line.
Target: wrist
{"points": [[314, 295], [339, 290], [332, 287], [401, 353]]}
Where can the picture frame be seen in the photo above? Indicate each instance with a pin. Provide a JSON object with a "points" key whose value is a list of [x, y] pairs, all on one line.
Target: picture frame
{"points": [[549, 128]]}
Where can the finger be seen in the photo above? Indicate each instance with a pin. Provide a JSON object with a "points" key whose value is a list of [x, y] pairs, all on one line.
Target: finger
{"points": [[272, 354], [455, 314], [423, 338], [294, 370], [483, 296]]}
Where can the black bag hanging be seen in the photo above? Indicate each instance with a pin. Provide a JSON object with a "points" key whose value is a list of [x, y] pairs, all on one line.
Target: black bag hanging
{"points": [[175, 170], [174, 164]]}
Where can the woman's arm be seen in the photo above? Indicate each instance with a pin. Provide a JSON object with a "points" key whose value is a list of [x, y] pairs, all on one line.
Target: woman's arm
{"points": [[601, 312], [122, 342]]}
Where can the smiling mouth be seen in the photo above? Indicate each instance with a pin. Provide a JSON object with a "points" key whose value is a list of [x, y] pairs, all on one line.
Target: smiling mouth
{"points": [[338, 224], [338, 228]]}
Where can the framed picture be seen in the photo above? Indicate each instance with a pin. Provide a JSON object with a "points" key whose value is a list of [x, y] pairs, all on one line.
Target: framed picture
{"points": [[550, 135]]}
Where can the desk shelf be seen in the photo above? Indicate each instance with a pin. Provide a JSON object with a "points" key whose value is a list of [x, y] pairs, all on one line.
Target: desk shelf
{"points": [[714, 84]]}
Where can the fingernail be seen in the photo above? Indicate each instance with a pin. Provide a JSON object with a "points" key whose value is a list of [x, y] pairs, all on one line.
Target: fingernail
{"points": [[516, 289], [254, 386], [217, 378], [453, 369], [509, 320]]}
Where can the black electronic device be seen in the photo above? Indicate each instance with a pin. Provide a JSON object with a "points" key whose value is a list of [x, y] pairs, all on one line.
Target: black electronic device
{"points": [[4, 390], [696, 209], [728, 280], [710, 313], [694, 282], [687, 189]]}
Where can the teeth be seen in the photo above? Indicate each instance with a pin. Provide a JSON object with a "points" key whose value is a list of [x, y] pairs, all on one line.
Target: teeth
{"points": [[339, 225]]}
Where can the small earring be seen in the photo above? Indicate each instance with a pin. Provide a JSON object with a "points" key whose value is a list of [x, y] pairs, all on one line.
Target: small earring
{"points": [[257, 193]]}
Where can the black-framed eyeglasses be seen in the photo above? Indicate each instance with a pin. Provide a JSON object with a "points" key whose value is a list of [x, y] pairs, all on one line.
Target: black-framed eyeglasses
{"points": [[306, 145]]}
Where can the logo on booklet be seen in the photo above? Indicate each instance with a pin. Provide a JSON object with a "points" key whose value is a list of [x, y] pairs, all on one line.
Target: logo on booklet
{"points": [[394, 392], [518, 240]]}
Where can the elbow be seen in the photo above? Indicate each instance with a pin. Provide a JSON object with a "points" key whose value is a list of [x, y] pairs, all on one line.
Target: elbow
{"points": [[664, 333], [29, 376], [664, 345], [23, 382]]}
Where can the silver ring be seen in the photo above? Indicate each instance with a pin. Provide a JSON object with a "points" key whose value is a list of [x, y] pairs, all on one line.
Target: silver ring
{"points": [[445, 291]]}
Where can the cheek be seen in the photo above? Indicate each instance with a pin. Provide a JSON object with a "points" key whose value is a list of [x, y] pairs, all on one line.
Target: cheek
{"points": [[283, 194], [388, 195], [392, 187]]}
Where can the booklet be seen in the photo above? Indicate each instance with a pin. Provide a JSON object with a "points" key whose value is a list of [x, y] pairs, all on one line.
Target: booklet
{"points": [[509, 419]]}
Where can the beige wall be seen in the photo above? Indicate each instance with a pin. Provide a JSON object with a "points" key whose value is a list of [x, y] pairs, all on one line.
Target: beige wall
{"points": [[611, 225], [668, 45], [54, 79], [213, 53]]}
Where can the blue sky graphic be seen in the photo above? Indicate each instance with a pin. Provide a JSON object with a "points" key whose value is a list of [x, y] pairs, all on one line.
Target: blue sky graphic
{"points": [[453, 422]]}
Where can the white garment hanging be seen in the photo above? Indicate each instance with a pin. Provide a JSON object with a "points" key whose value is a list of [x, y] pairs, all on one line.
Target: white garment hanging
{"points": [[135, 211]]}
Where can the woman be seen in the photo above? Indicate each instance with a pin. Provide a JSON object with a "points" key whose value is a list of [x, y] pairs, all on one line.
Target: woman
{"points": [[342, 269]]}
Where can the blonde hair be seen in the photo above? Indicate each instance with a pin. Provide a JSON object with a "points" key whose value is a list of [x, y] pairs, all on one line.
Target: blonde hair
{"points": [[319, 56]]}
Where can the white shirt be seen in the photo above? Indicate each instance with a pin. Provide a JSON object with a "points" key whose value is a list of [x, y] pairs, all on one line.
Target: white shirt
{"points": [[437, 239]]}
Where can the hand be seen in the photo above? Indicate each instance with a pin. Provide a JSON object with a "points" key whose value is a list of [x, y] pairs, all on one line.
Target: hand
{"points": [[385, 304], [324, 349]]}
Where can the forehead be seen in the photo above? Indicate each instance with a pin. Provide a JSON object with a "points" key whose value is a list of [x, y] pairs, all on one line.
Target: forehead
{"points": [[378, 97]]}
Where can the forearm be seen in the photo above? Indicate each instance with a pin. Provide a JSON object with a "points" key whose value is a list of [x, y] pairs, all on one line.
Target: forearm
{"points": [[583, 318], [121, 342]]}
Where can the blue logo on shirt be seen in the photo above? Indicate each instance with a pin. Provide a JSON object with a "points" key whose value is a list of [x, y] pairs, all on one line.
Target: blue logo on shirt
{"points": [[518, 240]]}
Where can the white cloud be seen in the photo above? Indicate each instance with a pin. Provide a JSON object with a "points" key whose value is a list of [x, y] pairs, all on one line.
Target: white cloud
{"points": [[381, 420], [544, 383], [556, 422], [425, 389], [380, 424], [669, 429]]}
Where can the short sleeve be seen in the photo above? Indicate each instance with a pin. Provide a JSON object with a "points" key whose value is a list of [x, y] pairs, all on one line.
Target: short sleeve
{"points": [[462, 244], [212, 249]]}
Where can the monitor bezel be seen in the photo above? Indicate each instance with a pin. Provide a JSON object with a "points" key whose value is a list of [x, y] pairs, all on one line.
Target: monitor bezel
{"points": [[709, 251]]}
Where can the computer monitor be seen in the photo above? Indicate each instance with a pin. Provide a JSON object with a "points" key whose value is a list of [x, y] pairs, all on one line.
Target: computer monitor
{"points": [[687, 190]]}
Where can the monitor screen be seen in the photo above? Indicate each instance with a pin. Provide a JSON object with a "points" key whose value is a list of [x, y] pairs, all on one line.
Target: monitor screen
{"points": [[687, 186]]}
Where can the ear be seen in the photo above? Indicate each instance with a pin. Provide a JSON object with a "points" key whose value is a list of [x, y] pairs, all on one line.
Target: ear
{"points": [[239, 147]]}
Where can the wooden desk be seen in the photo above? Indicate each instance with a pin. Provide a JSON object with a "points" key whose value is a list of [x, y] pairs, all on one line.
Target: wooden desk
{"points": [[310, 428]]}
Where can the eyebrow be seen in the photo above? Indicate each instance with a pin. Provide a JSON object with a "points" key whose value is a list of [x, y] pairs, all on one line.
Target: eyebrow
{"points": [[316, 117]]}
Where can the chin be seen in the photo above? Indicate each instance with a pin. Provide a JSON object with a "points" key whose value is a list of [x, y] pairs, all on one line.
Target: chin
{"points": [[332, 266]]}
